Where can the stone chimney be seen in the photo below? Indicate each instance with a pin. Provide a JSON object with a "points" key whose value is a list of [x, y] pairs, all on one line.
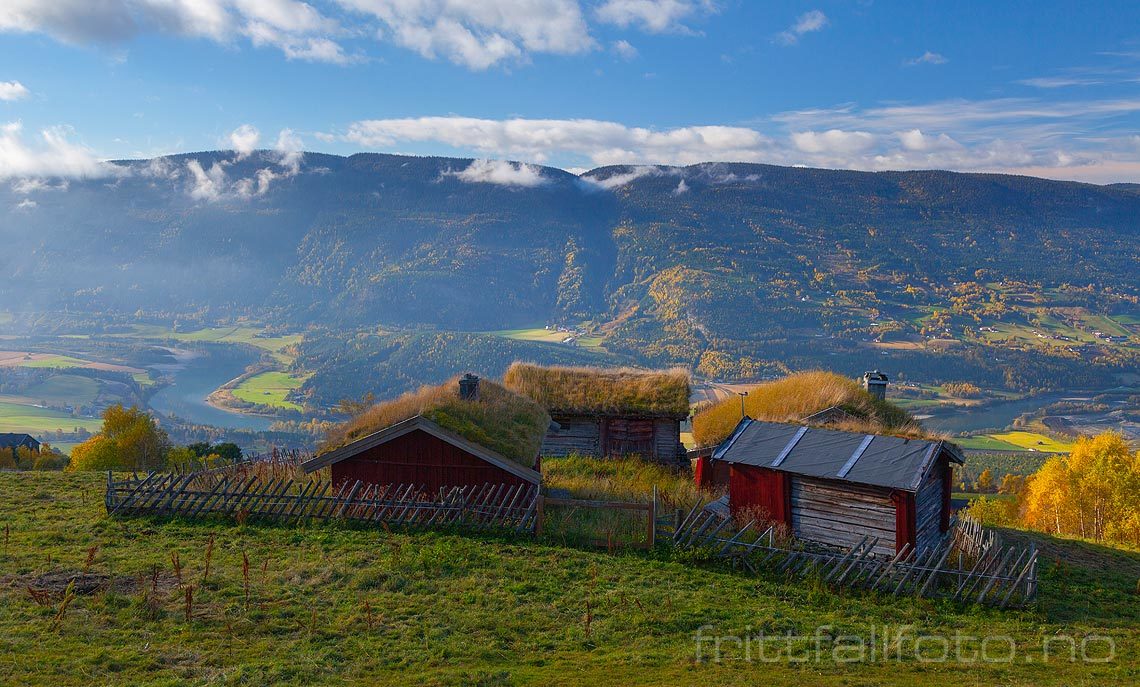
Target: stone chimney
{"points": [[469, 387], [876, 384]]}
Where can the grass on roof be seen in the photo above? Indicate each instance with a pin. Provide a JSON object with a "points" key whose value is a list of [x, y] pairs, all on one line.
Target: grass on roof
{"points": [[508, 424], [590, 390], [798, 395]]}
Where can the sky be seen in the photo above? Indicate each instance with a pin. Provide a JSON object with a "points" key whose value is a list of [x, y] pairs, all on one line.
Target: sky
{"points": [[1044, 88]]}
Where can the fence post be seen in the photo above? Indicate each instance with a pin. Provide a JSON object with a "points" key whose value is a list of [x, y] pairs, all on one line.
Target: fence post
{"points": [[652, 539], [539, 515]]}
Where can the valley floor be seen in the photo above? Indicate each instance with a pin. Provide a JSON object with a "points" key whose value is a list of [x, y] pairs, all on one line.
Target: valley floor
{"points": [[330, 605]]}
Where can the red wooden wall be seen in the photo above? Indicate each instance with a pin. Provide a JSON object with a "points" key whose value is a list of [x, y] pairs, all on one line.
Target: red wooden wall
{"points": [[420, 458], [768, 490], [904, 519], [711, 474]]}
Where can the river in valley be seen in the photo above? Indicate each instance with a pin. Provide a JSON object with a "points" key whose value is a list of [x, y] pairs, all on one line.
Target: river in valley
{"points": [[994, 415], [197, 373]]}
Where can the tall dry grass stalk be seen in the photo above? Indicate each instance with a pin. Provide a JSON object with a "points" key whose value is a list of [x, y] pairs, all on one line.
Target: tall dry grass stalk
{"points": [[209, 557], [245, 578]]}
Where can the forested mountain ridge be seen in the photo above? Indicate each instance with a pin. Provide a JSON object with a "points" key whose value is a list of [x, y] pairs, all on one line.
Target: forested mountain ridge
{"points": [[719, 266]]}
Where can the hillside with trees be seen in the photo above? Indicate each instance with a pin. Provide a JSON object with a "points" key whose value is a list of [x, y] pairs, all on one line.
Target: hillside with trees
{"points": [[734, 270]]}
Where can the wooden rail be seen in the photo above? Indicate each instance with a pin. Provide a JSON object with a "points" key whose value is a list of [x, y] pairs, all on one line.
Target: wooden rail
{"points": [[501, 506], [969, 564], [650, 509]]}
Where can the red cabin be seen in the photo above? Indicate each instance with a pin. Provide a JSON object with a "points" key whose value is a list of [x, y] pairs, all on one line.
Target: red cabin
{"points": [[834, 487], [418, 451]]}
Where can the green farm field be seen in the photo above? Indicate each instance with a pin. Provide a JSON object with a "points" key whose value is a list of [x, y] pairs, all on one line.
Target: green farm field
{"points": [[275, 345], [63, 389], [19, 417], [334, 605], [1015, 441], [269, 388], [543, 335]]}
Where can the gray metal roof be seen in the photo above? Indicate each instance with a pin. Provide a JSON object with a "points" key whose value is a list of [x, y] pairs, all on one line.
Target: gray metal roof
{"points": [[884, 461]]}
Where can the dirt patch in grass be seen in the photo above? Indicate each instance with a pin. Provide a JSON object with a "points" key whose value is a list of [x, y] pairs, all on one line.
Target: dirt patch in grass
{"points": [[56, 582]]}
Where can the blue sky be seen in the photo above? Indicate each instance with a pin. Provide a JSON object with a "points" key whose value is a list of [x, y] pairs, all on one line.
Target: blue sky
{"points": [[1046, 88]]}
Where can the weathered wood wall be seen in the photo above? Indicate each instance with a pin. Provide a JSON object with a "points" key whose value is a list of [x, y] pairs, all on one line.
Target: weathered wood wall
{"points": [[667, 438], [656, 439], [928, 507], [580, 435], [842, 513]]}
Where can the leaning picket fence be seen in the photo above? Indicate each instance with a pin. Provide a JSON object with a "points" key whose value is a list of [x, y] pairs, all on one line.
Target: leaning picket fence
{"points": [[969, 564], [488, 506]]}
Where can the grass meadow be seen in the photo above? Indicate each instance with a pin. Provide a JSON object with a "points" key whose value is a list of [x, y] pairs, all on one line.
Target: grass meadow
{"points": [[19, 417], [307, 605], [1015, 441], [270, 389]]}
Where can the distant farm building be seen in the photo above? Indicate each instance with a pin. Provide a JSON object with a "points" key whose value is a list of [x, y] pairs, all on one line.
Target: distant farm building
{"points": [[467, 432], [834, 487], [608, 413], [12, 442]]}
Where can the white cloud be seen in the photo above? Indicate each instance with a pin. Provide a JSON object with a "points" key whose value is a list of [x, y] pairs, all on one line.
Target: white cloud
{"points": [[620, 179], [290, 146], [833, 141], [600, 142], [31, 185], [654, 16], [206, 185], [53, 155], [807, 22], [927, 58], [296, 28], [624, 50], [27, 204], [502, 173], [682, 187], [244, 140], [481, 33], [996, 135], [12, 90], [914, 139]]}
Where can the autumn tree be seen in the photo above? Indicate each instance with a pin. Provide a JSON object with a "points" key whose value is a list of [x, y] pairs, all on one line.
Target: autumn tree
{"points": [[130, 440], [985, 483], [1094, 492]]}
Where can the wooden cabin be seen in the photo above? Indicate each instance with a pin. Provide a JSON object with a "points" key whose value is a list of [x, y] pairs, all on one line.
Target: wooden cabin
{"points": [[463, 433], [834, 487], [606, 413], [13, 442]]}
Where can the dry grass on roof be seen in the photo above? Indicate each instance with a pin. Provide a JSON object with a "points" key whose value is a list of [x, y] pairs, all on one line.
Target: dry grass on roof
{"points": [[508, 424], [799, 395], [589, 390]]}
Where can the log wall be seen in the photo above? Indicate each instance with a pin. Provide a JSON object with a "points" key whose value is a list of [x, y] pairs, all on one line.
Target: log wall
{"points": [[574, 436], [841, 514], [928, 507]]}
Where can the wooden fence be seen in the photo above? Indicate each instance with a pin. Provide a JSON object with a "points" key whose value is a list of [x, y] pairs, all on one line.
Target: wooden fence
{"points": [[498, 506], [609, 542], [970, 564]]}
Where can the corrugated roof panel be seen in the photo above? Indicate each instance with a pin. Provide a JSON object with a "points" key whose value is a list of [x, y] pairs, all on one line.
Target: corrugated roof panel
{"points": [[884, 461], [759, 443]]}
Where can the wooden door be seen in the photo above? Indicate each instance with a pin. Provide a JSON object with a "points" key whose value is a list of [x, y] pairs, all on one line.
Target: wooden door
{"points": [[626, 437]]}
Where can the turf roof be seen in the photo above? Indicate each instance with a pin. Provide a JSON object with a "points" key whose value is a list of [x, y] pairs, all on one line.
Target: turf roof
{"points": [[587, 391], [500, 420]]}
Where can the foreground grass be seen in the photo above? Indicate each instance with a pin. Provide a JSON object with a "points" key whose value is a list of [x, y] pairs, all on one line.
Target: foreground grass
{"points": [[330, 605]]}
